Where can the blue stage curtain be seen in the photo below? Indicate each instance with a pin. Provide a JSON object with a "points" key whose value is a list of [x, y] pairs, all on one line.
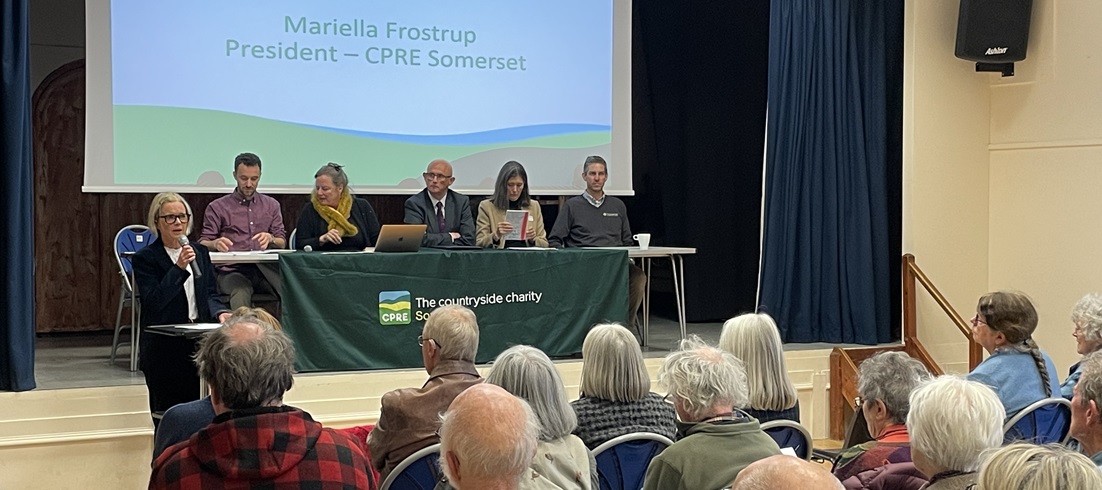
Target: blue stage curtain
{"points": [[16, 247], [832, 210]]}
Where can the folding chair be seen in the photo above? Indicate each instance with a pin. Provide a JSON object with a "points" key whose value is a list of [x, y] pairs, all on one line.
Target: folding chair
{"points": [[622, 461], [419, 471], [129, 239], [1043, 422], [790, 434]]}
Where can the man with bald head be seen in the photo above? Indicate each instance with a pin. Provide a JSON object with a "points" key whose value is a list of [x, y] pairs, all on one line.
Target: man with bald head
{"points": [[783, 471], [446, 212], [255, 441], [488, 438]]}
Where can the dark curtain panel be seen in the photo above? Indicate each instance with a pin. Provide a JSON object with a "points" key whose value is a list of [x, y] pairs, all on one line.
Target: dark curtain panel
{"points": [[16, 256], [830, 269], [699, 85]]}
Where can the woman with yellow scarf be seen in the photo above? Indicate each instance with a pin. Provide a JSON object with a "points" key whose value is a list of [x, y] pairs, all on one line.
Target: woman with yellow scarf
{"points": [[333, 219]]}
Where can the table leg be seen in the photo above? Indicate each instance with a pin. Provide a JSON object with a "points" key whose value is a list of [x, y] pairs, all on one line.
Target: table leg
{"points": [[678, 266], [646, 303]]}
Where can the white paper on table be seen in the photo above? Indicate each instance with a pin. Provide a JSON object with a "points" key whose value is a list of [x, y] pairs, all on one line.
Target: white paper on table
{"points": [[519, 220], [200, 326], [531, 248]]}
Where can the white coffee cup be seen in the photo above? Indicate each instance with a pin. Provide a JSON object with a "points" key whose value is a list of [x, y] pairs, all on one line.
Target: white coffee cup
{"points": [[643, 239]]}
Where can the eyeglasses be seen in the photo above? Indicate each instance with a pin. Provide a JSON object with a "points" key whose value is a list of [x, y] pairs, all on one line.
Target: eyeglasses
{"points": [[435, 176], [976, 321], [175, 218], [421, 342], [858, 401]]}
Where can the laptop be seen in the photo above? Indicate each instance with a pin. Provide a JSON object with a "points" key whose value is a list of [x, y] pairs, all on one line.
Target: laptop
{"points": [[400, 238]]}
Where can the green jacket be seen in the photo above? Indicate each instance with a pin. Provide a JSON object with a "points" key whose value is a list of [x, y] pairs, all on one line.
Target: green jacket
{"points": [[709, 456]]}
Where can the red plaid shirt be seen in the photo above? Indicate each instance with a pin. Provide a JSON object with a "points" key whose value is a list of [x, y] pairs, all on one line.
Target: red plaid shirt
{"points": [[270, 447]]}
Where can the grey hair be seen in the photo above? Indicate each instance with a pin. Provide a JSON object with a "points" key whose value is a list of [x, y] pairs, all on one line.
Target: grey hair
{"points": [[702, 377], [754, 339], [155, 211], [1023, 466], [890, 377], [1090, 381], [336, 172], [528, 373], [247, 362], [1087, 314], [454, 328], [612, 365], [592, 159], [953, 420], [488, 438]]}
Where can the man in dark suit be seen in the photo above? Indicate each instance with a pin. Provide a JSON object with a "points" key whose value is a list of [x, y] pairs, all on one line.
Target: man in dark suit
{"points": [[447, 213]]}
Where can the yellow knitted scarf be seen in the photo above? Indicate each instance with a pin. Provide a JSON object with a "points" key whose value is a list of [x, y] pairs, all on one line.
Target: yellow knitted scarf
{"points": [[337, 218]]}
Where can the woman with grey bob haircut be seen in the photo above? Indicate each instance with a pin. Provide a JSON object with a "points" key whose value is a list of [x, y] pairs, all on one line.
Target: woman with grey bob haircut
{"points": [[1029, 467], [1087, 318], [561, 458], [615, 389], [753, 338], [951, 422], [884, 383]]}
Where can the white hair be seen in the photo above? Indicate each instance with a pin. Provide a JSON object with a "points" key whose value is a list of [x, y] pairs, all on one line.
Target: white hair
{"points": [[1087, 314], [753, 338], [702, 377], [494, 438], [612, 365], [454, 328], [528, 373], [952, 420]]}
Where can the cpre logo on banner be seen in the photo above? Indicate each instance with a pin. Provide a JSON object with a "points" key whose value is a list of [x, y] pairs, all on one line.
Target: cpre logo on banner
{"points": [[394, 308]]}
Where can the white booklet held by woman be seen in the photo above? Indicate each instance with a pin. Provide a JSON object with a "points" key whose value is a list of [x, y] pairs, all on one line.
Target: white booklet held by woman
{"points": [[519, 220]]}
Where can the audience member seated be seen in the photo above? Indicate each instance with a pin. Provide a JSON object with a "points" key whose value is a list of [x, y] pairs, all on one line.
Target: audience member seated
{"points": [[409, 417], [185, 419], [1087, 317], [256, 441], [245, 220], [884, 384], [717, 440], [785, 472], [446, 213], [488, 438], [171, 294], [615, 397], [562, 460], [510, 193], [952, 422], [753, 338], [1086, 408], [1016, 369], [334, 219], [1030, 467]]}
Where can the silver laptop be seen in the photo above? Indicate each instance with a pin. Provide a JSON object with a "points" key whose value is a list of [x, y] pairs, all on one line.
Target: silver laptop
{"points": [[400, 238]]}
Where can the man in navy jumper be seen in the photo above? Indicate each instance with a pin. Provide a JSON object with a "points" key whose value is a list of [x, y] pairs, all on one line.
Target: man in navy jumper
{"points": [[595, 219]]}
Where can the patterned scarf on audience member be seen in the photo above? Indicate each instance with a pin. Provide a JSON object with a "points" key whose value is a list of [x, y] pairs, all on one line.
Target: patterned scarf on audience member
{"points": [[337, 218]]}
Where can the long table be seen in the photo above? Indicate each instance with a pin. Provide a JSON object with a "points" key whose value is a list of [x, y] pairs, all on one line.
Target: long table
{"points": [[351, 311]]}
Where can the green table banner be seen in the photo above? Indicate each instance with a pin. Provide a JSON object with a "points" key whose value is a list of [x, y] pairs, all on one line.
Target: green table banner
{"points": [[351, 311]]}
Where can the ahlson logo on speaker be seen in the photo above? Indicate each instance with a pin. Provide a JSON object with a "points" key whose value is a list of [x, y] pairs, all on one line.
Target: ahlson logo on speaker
{"points": [[994, 51], [394, 308]]}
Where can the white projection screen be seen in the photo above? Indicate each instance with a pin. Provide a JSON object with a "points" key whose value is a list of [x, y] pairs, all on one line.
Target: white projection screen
{"points": [[177, 89]]}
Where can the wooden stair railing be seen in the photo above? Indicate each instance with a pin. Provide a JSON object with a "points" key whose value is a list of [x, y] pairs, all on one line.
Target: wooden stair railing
{"points": [[844, 362]]}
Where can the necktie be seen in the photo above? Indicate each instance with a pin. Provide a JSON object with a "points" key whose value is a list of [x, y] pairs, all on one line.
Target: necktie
{"points": [[441, 227]]}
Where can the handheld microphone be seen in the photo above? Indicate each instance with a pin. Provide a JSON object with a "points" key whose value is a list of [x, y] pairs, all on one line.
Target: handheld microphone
{"points": [[307, 249], [194, 267]]}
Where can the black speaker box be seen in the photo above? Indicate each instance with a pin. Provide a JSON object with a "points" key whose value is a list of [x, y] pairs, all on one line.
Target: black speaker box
{"points": [[993, 31]]}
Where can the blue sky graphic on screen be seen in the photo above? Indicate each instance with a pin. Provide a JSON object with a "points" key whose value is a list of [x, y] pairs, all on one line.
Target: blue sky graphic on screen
{"points": [[382, 86]]}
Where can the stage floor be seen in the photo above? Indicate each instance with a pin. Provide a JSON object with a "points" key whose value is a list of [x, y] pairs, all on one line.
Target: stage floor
{"points": [[83, 360]]}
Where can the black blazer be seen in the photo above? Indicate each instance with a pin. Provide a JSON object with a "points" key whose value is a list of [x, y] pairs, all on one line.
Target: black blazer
{"points": [[457, 218], [311, 226], [161, 286]]}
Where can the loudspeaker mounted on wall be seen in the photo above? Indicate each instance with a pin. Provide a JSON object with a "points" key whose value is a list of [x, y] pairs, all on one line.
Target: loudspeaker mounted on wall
{"points": [[993, 33]]}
